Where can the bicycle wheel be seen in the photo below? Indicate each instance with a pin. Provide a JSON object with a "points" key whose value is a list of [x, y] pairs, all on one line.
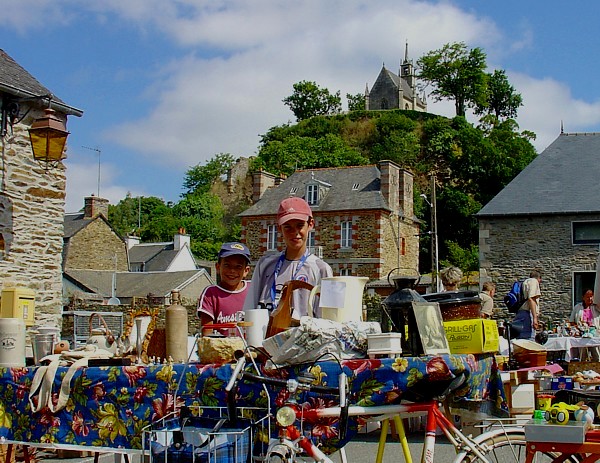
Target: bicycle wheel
{"points": [[500, 446]]}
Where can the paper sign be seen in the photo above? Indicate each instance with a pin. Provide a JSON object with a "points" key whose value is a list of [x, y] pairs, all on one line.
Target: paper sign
{"points": [[333, 294]]}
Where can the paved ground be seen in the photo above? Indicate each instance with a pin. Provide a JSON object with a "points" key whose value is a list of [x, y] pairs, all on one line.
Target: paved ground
{"points": [[362, 449]]}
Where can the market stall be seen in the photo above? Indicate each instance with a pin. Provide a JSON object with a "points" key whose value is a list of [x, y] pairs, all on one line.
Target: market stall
{"points": [[570, 344], [108, 407]]}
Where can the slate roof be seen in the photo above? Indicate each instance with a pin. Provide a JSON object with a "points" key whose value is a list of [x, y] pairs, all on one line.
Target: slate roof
{"points": [[155, 256], [15, 80], [562, 179], [398, 82], [134, 284], [73, 223], [340, 197]]}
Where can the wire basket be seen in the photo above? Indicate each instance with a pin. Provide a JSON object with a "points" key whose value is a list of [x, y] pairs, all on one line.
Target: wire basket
{"points": [[206, 435]]}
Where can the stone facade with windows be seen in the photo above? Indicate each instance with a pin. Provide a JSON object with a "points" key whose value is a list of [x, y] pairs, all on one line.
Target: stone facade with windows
{"points": [[547, 218], [375, 201]]}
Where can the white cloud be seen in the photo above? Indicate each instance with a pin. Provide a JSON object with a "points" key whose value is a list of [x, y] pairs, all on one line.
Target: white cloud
{"points": [[223, 104], [547, 104], [82, 181], [237, 60]]}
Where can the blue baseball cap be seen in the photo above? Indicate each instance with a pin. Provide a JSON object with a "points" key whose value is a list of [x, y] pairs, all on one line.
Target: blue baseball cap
{"points": [[234, 249]]}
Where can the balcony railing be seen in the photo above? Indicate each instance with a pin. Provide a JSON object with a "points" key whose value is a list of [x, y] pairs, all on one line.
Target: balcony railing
{"points": [[316, 250]]}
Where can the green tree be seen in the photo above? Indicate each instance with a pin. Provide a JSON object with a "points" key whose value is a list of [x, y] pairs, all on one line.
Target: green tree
{"points": [[356, 102], [456, 73], [502, 100], [298, 152], [309, 100], [201, 214], [135, 215], [201, 178]]}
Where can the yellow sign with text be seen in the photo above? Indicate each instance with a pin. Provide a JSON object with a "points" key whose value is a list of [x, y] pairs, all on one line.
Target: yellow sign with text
{"points": [[472, 336]]}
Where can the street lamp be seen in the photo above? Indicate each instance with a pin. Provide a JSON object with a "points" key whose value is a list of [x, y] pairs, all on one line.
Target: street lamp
{"points": [[435, 269], [47, 134]]}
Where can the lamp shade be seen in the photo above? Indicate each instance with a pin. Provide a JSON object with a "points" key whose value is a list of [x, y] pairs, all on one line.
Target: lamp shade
{"points": [[48, 136]]}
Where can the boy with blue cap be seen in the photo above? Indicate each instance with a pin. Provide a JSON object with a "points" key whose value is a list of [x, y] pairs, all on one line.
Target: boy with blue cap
{"points": [[223, 302]]}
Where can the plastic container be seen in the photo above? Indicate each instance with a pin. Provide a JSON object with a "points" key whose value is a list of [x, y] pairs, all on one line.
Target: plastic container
{"points": [[457, 305], [12, 342]]}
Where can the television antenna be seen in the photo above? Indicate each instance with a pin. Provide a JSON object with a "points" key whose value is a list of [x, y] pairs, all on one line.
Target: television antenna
{"points": [[99, 151]]}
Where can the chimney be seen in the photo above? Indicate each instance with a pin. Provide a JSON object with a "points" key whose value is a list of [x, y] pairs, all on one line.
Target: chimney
{"points": [[131, 241], [94, 206], [390, 182], [181, 239], [406, 193], [261, 182]]}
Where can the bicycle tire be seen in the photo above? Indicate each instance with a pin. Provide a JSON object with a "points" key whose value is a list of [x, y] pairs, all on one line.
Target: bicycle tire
{"points": [[504, 446]]}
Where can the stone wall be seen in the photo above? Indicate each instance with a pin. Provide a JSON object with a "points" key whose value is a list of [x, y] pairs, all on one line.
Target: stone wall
{"points": [[95, 247], [509, 248], [32, 207]]}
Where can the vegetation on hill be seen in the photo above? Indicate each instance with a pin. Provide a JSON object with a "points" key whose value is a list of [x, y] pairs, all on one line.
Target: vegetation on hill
{"points": [[471, 163]]}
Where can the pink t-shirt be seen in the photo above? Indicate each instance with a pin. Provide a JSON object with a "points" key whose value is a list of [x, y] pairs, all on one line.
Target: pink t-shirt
{"points": [[221, 305], [587, 316]]}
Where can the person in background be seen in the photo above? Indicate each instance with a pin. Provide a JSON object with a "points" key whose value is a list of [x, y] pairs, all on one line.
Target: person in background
{"points": [[585, 311], [487, 299], [294, 221], [223, 302], [588, 313], [451, 277], [528, 314]]}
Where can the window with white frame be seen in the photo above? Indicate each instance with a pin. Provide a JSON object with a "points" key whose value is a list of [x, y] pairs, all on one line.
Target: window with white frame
{"points": [[345, 272], [271, 237], [311, 240], [312, 194], [346, 234], [586, 232]]}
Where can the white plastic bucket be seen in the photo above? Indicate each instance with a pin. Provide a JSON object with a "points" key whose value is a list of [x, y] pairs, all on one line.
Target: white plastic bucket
{"points": [[12, 342]]}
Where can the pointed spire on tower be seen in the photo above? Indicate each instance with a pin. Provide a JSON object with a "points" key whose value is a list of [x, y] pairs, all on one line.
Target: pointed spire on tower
{"points": [[406, 52]]}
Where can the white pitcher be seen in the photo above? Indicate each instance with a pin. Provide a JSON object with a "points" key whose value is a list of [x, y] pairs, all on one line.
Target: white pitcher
{"points": [[340, 298]]}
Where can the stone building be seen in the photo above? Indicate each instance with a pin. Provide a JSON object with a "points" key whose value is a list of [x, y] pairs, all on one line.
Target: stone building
{"points": [[90, 242], [547, 218], [395, 91], [364, 218], [32, 195]]}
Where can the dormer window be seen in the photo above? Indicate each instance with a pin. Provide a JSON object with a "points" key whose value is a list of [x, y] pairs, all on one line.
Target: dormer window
{"points": [[312, 194]]}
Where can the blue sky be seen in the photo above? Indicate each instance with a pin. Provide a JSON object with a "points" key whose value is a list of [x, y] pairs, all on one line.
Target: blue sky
{"points": [[168, 84]]}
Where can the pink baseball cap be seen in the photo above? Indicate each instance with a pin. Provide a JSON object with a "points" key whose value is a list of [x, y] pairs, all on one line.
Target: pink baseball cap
{"points": [[293, 208]]}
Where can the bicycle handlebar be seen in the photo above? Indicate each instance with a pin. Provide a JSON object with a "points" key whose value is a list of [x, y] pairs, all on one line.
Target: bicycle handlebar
{"points": [[284, 383]]}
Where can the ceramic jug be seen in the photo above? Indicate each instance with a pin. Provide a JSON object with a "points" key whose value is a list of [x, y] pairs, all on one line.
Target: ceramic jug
{"points": [[340, 298]]}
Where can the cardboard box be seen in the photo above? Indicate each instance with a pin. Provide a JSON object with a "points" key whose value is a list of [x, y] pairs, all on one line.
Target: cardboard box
{"points": [[472, 336], [542, 431]]}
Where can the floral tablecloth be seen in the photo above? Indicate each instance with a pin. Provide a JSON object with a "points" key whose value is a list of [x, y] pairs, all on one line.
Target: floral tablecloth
{"points": [[110, 406]]}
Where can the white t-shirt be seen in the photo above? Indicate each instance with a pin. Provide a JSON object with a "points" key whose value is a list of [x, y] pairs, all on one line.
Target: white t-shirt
{"points": [[311, 270]]}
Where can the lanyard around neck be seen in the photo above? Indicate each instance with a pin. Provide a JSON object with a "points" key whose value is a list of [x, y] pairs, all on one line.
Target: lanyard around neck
{"points": [[278, 269]]}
